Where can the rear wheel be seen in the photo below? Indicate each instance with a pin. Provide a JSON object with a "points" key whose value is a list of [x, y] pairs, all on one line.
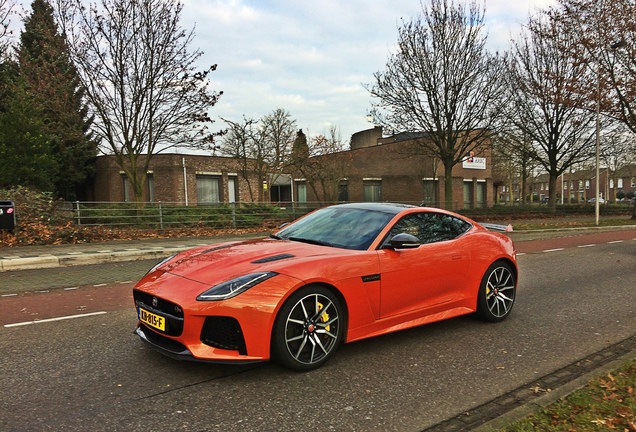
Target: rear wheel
{"points": [[308, 329], [496, 292]]}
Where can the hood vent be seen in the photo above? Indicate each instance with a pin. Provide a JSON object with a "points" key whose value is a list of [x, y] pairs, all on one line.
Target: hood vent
{"points": [[214, 248], [272, 258]]}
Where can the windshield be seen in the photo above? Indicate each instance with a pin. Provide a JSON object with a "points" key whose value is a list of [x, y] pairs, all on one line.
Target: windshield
{"points": [[347, 228]]}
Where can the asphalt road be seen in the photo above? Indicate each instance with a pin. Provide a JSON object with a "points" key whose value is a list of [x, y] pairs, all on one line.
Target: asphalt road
{"points": [[92, 373]]}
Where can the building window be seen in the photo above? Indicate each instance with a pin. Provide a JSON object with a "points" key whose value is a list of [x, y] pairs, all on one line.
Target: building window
{"points": [[633, 183], [468, 194], [430, 192], [126, 188], [232, 190], [372, 190], [587, 184], [620, 183], [150, 184], [580, 184], [343, 191], [565, 186], [208, 189], [481, 195], [301, 192], [611, 183]]}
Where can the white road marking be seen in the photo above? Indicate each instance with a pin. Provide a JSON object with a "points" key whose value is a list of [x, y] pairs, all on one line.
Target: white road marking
{"points": [[71, 288], [615, 241], [42, 291], [521, 253], [54, 319], [553, 250], [8, 295], [125, 282], [100, 285], [587, 245]]}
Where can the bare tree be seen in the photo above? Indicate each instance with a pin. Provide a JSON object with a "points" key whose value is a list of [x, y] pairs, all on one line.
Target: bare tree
{"points": [[278, 134], [606, 30], [324, 163], [135, 62], [242, 142], [260, 146], [441, 81], [512, 157], [6, 10], [546, 106]]}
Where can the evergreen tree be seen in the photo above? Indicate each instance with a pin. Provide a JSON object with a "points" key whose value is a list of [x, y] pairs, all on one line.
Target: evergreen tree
{"points": [[51, 78], [25, 147]]}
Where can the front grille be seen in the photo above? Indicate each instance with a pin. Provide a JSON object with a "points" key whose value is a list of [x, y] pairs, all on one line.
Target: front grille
{"points": [[172, 312], [224, 333]]}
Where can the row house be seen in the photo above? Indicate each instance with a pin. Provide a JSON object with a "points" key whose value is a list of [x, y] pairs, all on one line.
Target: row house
{"points": [[580, 186]]}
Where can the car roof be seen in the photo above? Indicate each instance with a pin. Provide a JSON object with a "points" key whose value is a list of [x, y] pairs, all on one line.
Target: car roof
{"points": [[385, 207]]}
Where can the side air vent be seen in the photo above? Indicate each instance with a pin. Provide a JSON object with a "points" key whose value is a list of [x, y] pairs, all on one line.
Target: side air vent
{"points": [[273, 258]]}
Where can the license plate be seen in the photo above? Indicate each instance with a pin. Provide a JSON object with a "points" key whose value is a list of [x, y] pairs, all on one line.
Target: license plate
{"points": [[152, 320]]}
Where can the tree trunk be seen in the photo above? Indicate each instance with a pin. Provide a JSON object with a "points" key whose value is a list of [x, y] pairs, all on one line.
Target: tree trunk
{"points": [[551, 193], [448, 185]]}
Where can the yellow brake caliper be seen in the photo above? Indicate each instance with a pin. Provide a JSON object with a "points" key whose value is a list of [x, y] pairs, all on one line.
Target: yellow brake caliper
{"points": [[324, 317]]}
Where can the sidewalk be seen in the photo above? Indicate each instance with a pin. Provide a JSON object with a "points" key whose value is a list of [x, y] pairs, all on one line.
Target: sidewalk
{"points": [[52, 256]]}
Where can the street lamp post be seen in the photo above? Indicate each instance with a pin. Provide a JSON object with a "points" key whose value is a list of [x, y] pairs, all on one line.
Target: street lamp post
{"points": [[598, 141]]}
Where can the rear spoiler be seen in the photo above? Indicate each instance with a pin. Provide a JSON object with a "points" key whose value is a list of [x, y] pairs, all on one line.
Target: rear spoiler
{"points": [[497, 227]]}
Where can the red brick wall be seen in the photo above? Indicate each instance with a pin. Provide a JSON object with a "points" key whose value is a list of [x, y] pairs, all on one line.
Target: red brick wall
{"points": [[167, 170]]}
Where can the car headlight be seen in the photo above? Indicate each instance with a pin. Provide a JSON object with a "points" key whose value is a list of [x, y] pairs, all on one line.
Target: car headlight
{"points": [[235, 286], [160, 264]]}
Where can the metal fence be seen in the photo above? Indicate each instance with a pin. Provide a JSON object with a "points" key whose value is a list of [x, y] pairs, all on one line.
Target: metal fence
{"points": [[163, 215], [177, 215]]}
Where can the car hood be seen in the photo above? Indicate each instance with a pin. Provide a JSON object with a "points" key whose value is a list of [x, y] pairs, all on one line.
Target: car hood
{"points": [[218, 263]]}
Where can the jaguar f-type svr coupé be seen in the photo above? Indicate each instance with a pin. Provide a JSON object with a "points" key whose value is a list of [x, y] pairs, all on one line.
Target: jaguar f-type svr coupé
{"points": [[339, 274]]}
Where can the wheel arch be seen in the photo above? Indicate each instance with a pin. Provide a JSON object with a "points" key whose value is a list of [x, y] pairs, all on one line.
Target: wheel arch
{"points": [[511, 264]]}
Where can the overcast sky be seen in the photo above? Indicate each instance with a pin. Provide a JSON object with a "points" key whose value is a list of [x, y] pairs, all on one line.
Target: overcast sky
{"points": [[311, 57]]}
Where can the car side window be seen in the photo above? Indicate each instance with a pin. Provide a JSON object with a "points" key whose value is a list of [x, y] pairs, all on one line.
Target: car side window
{"points": [[430, 227]]}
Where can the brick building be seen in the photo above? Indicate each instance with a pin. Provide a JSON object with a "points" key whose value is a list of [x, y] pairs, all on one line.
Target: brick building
{"points": [[394, 169], [376, 168], [186, 179]]}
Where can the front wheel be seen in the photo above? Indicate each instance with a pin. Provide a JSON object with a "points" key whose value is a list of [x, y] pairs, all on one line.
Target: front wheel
{"points": [[308, 329], [496, 292]]}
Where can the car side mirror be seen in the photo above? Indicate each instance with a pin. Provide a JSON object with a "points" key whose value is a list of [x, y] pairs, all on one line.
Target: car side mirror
{"points": [[404, 241]]}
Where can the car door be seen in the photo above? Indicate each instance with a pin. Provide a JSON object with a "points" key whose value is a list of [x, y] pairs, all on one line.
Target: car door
{"points": [[432, 274]]}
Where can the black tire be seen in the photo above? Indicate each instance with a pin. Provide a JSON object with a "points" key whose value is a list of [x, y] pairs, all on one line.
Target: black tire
{"points": [[497, 292], [308, 329]]}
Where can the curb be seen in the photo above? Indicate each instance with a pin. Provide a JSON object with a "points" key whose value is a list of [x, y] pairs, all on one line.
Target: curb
{"points": [[549, 398], [81, 258]]}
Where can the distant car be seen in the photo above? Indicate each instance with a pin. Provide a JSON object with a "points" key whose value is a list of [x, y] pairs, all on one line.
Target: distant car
{"points": [[545, 200], [593, 200], [339, 274]]}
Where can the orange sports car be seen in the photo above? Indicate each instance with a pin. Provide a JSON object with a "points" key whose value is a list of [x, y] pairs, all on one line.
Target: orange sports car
{"points": [[338, 274]]}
